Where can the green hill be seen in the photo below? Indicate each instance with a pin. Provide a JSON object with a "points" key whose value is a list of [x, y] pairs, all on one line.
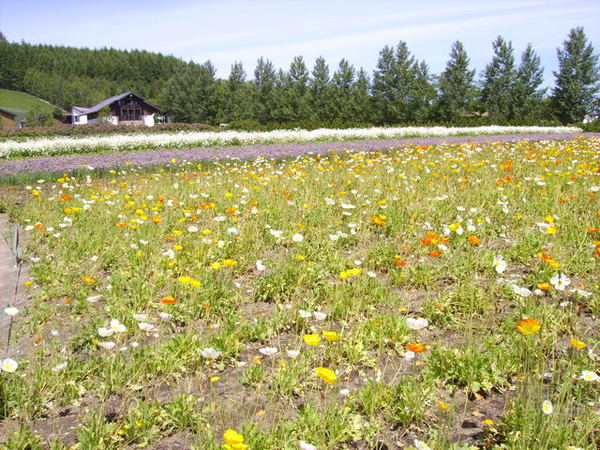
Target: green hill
{"points": [[22, 102]]}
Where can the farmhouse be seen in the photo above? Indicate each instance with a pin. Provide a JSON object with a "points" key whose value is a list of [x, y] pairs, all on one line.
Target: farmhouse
{"points": [[124, 109]]}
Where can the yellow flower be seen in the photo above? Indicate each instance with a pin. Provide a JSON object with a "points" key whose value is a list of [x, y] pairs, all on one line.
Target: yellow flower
{"points": [[443, 405], [551, 230], [488, 422], [312, 339], [229, 262], [233, 440], [331, 336], [579, 345], [184, 280], [215, 265], [327, 375], [195, 283], [345, 274]]}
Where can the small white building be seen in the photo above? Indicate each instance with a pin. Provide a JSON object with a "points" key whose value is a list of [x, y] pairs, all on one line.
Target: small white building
{"points": [[124, 109]]}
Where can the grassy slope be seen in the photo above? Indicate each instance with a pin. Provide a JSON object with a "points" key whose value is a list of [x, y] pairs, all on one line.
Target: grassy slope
{"points": [[21, 102]]}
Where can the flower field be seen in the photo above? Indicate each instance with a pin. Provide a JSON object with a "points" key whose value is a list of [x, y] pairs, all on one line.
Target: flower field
{"points": [[135, 142], [430, 297]]}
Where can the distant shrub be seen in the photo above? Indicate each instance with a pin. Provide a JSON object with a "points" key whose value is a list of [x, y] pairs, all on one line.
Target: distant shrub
{"points": [[101, 129], [591, 127]]}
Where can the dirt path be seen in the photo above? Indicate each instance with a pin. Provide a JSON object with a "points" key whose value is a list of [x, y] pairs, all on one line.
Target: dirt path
{"points": [[158, 156]]}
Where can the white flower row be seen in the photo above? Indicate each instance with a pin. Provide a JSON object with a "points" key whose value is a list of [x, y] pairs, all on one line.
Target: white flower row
{"points": [[70, 145]]}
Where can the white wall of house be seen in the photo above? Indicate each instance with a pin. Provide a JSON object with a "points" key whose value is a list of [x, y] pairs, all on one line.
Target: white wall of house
{"points": [[148, 120], [82, 120]]}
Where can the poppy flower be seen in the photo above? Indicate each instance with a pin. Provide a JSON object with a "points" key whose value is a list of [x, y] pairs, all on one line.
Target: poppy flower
{"points": [[327, 375], [528, 326]]}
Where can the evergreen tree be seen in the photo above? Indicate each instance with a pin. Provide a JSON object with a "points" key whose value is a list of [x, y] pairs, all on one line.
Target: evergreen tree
{"points": [[343, 91], [298, 83], [575, 93], [528, 95], [362, 107], [321, 98], [422, 94], [264, 80], [189, 96], [498, 90], [401, 86], [455, 85]]}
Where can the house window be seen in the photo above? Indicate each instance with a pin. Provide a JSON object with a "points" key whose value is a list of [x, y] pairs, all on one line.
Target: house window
{"points": [[130, 111]]}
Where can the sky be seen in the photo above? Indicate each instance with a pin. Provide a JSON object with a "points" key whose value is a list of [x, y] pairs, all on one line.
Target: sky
{"points": [[243, 30]]}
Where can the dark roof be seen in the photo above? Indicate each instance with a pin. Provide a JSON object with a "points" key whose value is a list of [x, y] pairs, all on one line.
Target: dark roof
{"points": [[18, 114], [79, 110]]}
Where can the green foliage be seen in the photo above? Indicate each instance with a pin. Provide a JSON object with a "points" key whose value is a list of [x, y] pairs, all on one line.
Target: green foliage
{"points": [[456, 88], [575, 94], [500, 77]]}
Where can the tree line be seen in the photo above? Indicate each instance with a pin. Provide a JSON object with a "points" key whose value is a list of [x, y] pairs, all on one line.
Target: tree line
{"points": [[401, 89]]}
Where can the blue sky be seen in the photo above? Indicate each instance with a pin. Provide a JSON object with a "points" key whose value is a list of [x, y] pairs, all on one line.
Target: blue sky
{"points": [[242, 30]]}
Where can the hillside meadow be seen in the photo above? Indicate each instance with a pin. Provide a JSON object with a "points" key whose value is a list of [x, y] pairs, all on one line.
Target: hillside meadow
{"points": [[440, 297]]}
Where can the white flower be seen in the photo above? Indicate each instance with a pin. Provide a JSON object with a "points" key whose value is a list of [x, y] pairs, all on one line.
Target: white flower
{"points": [[170, 253], [193, 229], [59, 367], [165, 317], [276, 233], [146, 326], [499, 264], [11, 311], [319, 315], [94, 298], [293, 353], [268, 351], [107, 345], [232, 230], [420, 445], [329, 201], [344, 392], [8, 365], [560, 281], [117, 326], [523, 292], [416, 324], [307, 446], [140, 317], [304, 314], [547, 407], [260, 266], [589, 375], [409, 355], [297, 237], [210, 353], [104, 332]]}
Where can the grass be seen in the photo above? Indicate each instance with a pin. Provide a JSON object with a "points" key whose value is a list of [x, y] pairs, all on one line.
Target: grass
{"points": [[22, 102], [229, 284]]}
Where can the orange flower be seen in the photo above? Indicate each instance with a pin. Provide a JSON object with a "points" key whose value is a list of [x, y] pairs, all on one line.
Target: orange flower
{"points": [[156, 219], [435, 253], [473, 240], [528, 326], [168, 300], [88, 280], [399, 262], [545, 286], [379, 220], [122, 224], [415, 347], [592, 230], [230, 210]]}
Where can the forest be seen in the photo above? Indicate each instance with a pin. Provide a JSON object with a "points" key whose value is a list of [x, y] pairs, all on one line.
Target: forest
{"points": [[401, 89]]}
